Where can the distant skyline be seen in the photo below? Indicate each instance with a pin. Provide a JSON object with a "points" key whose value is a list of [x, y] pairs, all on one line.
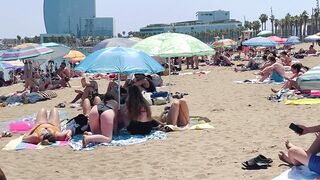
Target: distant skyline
{"points": [[25, 18]]}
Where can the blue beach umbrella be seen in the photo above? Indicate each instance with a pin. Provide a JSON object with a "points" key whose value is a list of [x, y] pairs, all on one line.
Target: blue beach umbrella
{"points": [[292, 41], [119, 60], [260, 41]]}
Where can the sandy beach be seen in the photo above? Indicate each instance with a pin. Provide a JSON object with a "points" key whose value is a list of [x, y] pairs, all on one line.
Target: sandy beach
{"points": [[245, 124]]}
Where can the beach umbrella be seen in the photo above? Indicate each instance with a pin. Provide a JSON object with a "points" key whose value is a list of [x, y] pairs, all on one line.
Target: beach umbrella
{"points": [[12, 64], [277, 39], [73, 54], [59, 51], [312, 38], [25, 51], [293, 37], [292, 41], [173, 45], [114, 42], [224, 43], [264, 33], [121, 61], [135, 39], [259, 41]]}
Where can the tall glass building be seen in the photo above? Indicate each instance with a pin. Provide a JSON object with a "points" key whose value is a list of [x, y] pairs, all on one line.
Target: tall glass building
{"points": [[67, 17]]}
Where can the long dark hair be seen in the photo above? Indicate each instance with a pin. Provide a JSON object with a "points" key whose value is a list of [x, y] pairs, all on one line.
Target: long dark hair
{"points": [[136, 102], [297, 66]]}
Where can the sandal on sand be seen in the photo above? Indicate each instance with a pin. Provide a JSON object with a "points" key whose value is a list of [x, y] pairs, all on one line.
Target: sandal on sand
{"points": [[6, 134], [259, 162], [60, 105]]}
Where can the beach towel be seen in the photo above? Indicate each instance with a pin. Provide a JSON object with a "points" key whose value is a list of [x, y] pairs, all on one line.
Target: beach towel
{"points": [[17, 144], [124, 139], [305, 101], [196, 123], [310, 80], [256, 81], [297, 173]]}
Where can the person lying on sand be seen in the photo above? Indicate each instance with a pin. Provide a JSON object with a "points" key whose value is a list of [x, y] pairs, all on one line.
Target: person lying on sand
{"points": [[297, 156], [47, 130], [102, 122], [275, 71]]}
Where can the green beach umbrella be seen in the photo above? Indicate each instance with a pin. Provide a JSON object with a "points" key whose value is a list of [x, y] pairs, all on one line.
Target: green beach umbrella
{"points": [[168, 45], [264, 34]]}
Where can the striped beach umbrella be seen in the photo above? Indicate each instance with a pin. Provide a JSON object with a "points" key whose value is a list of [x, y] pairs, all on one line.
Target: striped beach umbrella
{"points": [[25, 51]]}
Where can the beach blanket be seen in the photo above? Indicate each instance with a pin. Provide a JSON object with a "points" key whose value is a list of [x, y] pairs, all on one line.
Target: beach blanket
{"points": [[124, 139], [256, 81], [297, 173], [310, 80], [17, 144], [305, 101], [196, 123], [190, 73]]}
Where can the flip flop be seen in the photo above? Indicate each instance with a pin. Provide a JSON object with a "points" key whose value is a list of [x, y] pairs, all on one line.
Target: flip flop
{"points": [[6, 134], [259, 162], [60, 105]]}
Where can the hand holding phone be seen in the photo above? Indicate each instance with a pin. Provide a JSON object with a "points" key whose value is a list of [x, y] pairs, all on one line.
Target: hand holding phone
{"points": [[296, 128]]}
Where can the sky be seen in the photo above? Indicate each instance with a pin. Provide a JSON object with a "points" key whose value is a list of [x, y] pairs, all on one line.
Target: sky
{"points": [[25, 17]]}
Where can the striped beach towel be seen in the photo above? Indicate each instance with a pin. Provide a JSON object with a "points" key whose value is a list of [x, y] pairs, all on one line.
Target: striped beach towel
{"points": [[17, 144], [310, 80]]}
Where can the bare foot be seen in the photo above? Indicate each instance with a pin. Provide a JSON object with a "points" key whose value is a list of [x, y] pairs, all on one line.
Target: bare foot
{"points": [[288, 144], [284, 157], [84, 141], [87, 133]]}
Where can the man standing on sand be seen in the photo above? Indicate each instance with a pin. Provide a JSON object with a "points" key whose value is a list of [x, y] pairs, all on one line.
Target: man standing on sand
{"points": [[65, 75]]}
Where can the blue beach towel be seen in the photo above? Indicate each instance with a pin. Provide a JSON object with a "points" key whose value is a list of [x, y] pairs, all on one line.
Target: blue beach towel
{"points": [[297, 173], [123, 139]]}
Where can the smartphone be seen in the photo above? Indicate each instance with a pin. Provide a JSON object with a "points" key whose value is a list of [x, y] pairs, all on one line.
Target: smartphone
{"points": [[296, 128]]}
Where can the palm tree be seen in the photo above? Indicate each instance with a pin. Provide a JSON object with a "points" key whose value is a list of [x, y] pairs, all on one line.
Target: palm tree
{"points": [[300, 23], [287, 21], [263, 18], [256, 26], [282, 24], [316, 17], [272, 18], [276, 24], [296, 24], [305, 17]]}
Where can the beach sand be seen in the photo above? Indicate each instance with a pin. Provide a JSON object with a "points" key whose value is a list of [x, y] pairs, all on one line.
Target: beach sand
{"points": [[246, 124]]}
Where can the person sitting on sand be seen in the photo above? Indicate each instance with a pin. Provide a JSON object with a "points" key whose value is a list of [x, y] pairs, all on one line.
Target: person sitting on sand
{"points": [[297, 70], [90, 91], [297, 156], [102, 121], [47, 130], [311, 51], [139, 113], [141, 81], [275, 71], [285, 58]]}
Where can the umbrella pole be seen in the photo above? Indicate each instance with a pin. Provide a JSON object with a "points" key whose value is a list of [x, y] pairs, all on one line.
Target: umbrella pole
{"points": [[169, 62], [119, 91]]}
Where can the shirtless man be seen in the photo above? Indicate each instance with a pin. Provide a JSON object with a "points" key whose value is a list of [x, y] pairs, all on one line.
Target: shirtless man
{"points": [[311, 50], [65, 74], [285, 58], [275, 71]]}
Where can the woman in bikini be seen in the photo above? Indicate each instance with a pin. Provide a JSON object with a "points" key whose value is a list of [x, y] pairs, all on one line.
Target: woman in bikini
{"points": [[102, 122], [139, 113], [47, 130]]}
